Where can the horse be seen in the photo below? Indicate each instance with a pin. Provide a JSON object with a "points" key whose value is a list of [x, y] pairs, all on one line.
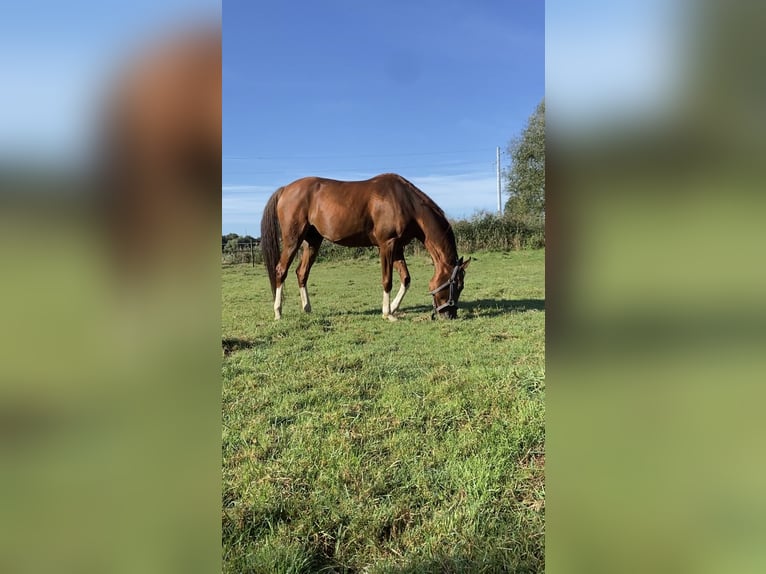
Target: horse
{"points": [[386, 211]]}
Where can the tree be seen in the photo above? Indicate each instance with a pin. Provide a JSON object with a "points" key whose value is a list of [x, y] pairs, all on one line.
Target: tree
{"points": [[232, 246], [526, 177]]}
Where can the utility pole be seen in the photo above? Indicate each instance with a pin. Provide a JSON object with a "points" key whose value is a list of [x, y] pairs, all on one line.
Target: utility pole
{"points": [[499, 196]]}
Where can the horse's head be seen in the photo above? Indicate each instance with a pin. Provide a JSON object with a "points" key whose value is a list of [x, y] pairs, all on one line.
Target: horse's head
{"points": [[450, 284]]}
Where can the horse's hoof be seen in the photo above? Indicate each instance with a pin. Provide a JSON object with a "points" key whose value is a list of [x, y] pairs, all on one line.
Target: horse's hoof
{"points": [[390, 318]]}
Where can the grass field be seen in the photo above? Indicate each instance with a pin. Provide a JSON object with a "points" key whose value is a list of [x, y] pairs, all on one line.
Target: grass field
{"points": [[353, 444]]}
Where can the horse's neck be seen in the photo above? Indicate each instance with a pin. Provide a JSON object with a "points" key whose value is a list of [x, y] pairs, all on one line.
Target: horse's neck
{"points": [[438, 239]]}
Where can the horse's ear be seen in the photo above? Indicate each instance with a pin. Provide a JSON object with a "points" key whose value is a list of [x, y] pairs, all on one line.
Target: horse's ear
{"points": [[463, 264]]}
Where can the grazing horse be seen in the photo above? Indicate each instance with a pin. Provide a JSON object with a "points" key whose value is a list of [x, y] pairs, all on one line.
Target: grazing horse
{"points": [[386, 211]]}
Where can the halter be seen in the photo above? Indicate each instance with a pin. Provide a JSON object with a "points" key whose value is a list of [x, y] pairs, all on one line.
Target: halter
{"points": [[451, 283]]}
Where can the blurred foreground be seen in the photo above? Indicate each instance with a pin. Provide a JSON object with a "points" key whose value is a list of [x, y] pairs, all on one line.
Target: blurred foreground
{"points": [[110, 306], [655, 283]]}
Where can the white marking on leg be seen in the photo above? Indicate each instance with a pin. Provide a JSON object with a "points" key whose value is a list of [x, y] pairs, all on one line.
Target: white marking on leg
{"points": [[386, 303], [399, 297], [278, 303], [305, 303], [387, 307]]}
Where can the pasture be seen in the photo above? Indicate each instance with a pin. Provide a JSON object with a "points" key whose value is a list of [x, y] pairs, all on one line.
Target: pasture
{"points": [[353, 444]]}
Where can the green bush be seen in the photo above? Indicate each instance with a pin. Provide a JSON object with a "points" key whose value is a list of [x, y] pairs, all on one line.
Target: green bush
{"points": [[489, 232]]}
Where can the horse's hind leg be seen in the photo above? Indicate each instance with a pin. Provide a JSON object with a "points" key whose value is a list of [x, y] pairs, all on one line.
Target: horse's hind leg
{"points": [[310, 251], [404, 275], [289, 250]]}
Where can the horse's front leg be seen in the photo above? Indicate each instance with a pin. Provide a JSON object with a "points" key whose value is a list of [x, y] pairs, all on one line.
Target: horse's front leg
{"points": [[387, 268], [404, 276]]}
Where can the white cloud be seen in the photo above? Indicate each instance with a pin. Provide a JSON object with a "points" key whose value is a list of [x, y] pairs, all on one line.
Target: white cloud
{"points": [[242, 208], [461, 195]]}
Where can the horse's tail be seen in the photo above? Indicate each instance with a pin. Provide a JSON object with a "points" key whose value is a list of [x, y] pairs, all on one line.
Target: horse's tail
{"points": [[270, 239]]}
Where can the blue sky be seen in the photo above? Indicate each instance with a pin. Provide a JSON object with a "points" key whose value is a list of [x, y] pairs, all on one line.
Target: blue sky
{"points": [[56, 58], [611, 64], [349, 89]]}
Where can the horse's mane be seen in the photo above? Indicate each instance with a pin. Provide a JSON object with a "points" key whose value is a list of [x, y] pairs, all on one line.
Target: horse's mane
{"points": [[416, 192], [430, 204], [420, 195]]}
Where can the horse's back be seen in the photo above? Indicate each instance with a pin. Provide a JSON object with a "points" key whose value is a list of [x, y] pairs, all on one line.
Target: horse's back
{"points": [[350, 212]]}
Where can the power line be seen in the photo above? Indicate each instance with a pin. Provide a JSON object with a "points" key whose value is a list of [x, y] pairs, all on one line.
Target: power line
{"points": [[463, 165], [352, 156]]}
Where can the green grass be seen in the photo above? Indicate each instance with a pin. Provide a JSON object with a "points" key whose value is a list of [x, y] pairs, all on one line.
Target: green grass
{"points": [[353, 444]]}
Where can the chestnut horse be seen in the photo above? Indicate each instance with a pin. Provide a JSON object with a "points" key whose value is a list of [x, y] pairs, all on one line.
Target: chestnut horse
{"points": [[386, 211]]}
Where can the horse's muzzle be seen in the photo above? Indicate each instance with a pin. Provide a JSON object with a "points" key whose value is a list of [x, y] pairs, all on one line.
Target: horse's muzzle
{"points": [[444, 313]]}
